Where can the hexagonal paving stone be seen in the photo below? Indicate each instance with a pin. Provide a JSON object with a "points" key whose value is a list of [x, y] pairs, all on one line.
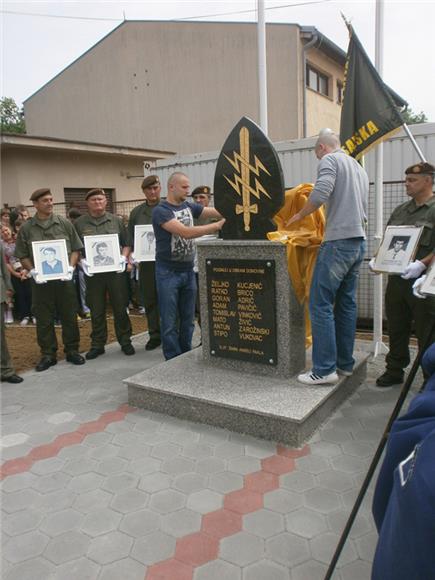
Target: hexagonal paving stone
{"points": [[335, 480], [181, 523], [283, 501], [322, 500], [112, 465], [361, 525], [348, 464], [101, 521], [127, 569], [119, 482], [323, 548], [242, 549], [80, 466], [325, 449], [178, 465], [358, 570], [263, 523], [82, 568], [92, 500], [287, 549], [358, 448], [85, 482], [20, 481], [61, 521], [129, 500], [217, 570], [21, 522], [244, 465], [260, 449], [197, 450], [135, 452], [140, 523], [306, 523], [66, 547], [189, 482], [153, 548], [204, 501], [262, 570], [312, 464], [26, 546], [50, 465], [165, 451], [228, 450], [366, 546], [225, 481], [35, 569], [19, 500], [110, 547], [298, 481], [145, 466], [210, 465], [155, 482], [167, 501], [335, 435], [310, 570]]}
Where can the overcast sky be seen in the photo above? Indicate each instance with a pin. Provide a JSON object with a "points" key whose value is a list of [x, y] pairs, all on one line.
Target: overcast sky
{"points": [[36, 45]]}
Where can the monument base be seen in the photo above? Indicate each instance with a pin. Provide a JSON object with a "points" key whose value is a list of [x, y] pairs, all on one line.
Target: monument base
{"points": [[271, 408]]}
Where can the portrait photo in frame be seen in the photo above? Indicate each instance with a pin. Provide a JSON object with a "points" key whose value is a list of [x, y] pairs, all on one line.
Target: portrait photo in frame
{"points": [[428, 286], [144, 243], [397, 249], [103, 253], [50, 258]]}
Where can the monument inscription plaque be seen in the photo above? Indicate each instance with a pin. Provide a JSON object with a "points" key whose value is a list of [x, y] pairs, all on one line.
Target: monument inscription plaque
{"points": [[242, 312]]}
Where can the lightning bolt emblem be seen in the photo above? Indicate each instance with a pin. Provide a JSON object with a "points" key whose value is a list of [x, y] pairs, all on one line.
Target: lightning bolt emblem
{"points": [[241, 182]]}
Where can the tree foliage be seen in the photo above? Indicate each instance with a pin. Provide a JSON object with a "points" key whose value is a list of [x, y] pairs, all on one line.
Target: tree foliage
{"points": [[12, 118], [412, 118]]}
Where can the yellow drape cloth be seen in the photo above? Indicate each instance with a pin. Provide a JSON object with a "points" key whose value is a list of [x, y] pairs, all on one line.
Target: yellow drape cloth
{"points": [[303, 239]]}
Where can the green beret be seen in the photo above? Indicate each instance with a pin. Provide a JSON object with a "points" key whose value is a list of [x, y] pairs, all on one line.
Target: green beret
{"points": [[420, 169], [201, 189], [39, 193], [96, 191], [150, 180]]}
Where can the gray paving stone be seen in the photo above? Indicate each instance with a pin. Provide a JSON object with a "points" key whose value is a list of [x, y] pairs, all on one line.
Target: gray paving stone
{"points": [[137, 451], [306, 523], [265, 569], [368, 435], [325, 449], [204, 501], [196, 450], [361, 525], [358, 570], [66, 547], [242, 549], [73, 452], [312, 464], [85, 482], [19, 500], [21, 522], [110, 547], [145, 466], [260, 449], [112, 465], [165, 450], [156, 438], [189, 482], [92, 500], [214, 436], [335, 480], [181, 523], [310, 570], [167, 501], [120, 481], [101, 521], [322, 500], [263, 523], [140, 523], [244, 465], [129, 500], [178, 465], [225, 481], [366, 546], [349, 424], [126, 439], [358, 448], [61, 521], [50, 465], [35, 569], [229, 450], [83, 569], [104, 452], [29, 545], [97, 439], [217, 570], [283, 501], [55, 501], [15, 451], [80, 465], [126, 569], [335, 435], [184, 438], [19, 482], [153, 548], [348, 464], [323, 547], [298, 481], [287, 549], [155, 482]]}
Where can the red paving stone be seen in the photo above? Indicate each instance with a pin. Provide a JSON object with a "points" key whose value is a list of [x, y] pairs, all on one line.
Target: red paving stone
{"points": [[169, 570], [221, 523], [197, 549], [278, 464], [261, 481], [243, 501], [14, 466]]}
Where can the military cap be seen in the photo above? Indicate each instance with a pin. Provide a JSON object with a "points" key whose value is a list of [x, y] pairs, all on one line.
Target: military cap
{"points": [[150, 180], [201, 189], [420, 169], [39, 193], [96, 191]]}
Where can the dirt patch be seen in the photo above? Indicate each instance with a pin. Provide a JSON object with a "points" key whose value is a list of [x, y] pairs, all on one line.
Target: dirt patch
{"points": [[25, 351]]}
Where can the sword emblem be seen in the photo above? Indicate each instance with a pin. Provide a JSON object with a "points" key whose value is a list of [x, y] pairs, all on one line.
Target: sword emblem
{"points": [[241, 182]]}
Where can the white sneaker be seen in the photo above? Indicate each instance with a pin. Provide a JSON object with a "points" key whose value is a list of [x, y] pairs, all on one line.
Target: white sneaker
{"points": [[310, 378], [344, 373], [33, 320], [141, 310], [25, 321], [8, 317]]}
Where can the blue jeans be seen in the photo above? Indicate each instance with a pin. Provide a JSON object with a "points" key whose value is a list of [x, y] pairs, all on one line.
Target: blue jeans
{"points": [[176, 293], [333, 308]]}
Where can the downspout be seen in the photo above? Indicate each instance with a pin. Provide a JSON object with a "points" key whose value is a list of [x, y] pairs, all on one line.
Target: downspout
{"points": [[306, 47]]}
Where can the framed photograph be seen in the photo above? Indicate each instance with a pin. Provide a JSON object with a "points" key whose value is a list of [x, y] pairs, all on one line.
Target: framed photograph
{"points": [[428, 286], [103, 253], [144, 244], [397, 249], [51, 259]]}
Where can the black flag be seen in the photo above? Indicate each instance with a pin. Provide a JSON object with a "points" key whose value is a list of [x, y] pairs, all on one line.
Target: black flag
{"points": [[369, 114]]}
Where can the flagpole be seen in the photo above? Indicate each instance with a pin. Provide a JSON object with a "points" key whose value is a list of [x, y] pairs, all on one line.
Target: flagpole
{"points": [[414, 142], [378, 346], [262, 69]]}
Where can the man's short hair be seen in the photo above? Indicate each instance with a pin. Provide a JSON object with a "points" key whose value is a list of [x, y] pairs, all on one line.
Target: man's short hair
{"points": [[39, 193], [329, 138], [150, 180], [49, 249], [101, 245], [95, 191]]}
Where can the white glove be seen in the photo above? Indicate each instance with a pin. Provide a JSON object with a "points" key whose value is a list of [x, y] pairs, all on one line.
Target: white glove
{"points": [[122, 264], [416, 287], [413, 270], [372, 265], [36, 277], [69, 275], [85, 267]]}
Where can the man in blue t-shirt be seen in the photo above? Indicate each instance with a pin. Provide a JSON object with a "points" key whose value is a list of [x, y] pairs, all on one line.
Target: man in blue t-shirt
{"points": [[175, 252]]}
